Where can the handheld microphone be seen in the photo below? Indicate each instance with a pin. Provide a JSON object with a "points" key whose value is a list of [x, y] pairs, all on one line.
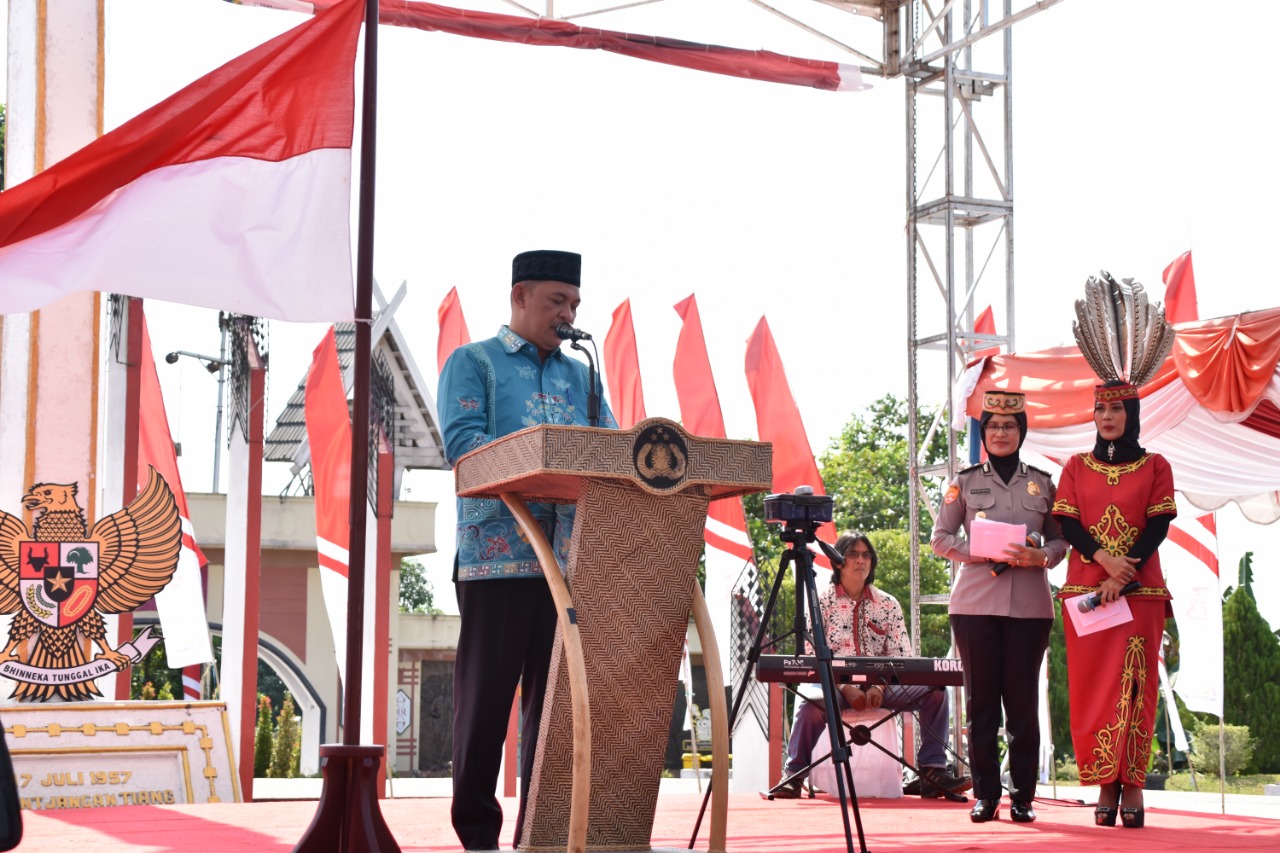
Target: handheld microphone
{"points": [[1094, 600], [1035, 539], [568, 333]]}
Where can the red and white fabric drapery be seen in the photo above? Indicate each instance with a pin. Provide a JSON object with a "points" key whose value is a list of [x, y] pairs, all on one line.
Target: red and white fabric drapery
{"points": [[1213, 410]]}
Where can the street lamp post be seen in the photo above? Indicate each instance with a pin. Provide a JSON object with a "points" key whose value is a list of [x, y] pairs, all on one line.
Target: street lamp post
{"points": [[216, 365]]}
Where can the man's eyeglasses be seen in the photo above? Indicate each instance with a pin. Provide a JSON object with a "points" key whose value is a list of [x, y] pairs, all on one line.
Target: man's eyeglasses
{"points": [[990, 427], [858, 555]]}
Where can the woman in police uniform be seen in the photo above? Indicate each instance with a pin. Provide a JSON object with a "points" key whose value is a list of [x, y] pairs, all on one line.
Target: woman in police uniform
{"points": [[1001, 610]]}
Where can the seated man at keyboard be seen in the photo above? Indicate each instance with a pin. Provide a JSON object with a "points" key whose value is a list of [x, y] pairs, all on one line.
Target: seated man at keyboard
{"points": [[861, 620]]}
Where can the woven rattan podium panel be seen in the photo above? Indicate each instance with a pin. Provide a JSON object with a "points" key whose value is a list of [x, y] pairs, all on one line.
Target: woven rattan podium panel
{"points": [[551, 462], [632, 566]]}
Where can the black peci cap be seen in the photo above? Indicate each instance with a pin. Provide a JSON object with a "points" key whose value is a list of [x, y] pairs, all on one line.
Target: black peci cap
{"points": [[547, 265]]}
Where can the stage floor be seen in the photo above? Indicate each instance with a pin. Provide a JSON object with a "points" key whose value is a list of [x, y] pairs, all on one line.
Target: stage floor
{"points": [[755, 826]]}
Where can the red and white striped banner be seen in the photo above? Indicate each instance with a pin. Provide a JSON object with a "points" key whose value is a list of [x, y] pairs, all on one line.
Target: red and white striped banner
{"points": [[191, 688], [329, 434], [1189, 558], [180, 605]]}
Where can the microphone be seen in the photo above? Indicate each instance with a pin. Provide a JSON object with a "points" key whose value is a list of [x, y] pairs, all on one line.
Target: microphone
{"points": [[568, 333], [1094, 600], [1035, 539]]}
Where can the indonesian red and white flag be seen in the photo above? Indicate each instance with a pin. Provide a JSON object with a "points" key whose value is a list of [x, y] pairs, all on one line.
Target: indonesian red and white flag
{"points": [[1189, 558], [1180, 291], [180, 604], [453, 327], [329, 434], [778, 421], [234, 193], [622, 369]]}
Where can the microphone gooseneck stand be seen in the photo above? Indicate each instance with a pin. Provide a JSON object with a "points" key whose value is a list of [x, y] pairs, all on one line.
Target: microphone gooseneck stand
{"points": [[593, 384], [798, 535]]}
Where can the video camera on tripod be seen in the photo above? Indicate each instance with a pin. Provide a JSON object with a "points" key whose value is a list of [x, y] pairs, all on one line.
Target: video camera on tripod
{"points": [[799, 507]]}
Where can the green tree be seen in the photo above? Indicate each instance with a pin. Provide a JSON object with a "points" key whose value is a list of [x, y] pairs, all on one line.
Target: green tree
{"points": [[287, 751], [416, 592], [1059, 697], [262, 738], [1252, 672]]}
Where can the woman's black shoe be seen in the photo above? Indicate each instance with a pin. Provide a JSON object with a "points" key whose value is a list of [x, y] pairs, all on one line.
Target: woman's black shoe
{"points": [[985, 810], [1021, 811], [1105, 816], [1133, 818]]}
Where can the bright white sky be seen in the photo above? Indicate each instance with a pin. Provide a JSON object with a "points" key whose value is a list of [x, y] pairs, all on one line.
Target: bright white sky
{"points": [[1139, 133]]}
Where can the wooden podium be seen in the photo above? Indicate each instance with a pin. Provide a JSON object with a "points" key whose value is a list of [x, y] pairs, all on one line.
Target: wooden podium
{"points": [[623, 607]]}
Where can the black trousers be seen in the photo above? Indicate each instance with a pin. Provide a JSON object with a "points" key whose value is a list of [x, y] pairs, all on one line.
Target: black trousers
{"points": [[1002, 657], [508, 627]]}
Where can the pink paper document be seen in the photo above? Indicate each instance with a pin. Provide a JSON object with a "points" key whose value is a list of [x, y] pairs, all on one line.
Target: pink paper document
{"points": [[989, 538], [1098, 619]]}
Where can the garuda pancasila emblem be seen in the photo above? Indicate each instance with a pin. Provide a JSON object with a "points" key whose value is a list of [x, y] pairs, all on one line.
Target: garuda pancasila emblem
{"points": [[60, 578]]}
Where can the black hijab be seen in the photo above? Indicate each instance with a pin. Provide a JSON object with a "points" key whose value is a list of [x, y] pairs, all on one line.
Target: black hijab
{"points": [[1126, 447], [1005, 466]]}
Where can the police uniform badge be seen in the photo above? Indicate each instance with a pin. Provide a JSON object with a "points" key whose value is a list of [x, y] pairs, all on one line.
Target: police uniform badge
{"points": [[952, 494], [1033, 489]]}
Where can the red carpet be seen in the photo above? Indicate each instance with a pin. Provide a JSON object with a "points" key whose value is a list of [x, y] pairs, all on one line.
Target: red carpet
{"points": [[755, 826]]}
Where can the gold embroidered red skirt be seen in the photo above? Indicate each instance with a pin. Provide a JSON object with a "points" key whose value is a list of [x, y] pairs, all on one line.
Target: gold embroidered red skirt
{"points": [[1114, 681]]}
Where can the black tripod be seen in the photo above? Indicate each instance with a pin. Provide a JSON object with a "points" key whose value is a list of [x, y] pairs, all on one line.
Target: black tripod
{"points": [[798, 535]]}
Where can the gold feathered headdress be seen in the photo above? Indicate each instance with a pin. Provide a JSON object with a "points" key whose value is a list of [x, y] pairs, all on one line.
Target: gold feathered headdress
{"points": [[1121, 334]]}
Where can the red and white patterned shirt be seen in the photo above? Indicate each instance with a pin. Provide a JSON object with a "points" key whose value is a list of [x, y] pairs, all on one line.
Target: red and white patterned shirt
{"points": [[870, 625]]}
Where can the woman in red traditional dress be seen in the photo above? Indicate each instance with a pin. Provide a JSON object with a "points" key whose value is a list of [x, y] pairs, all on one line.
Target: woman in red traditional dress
{"points": [[1115, 504]]}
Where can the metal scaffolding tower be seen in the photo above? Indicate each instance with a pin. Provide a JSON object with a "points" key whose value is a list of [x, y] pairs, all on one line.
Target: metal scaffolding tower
{"points": [[956, 60]]}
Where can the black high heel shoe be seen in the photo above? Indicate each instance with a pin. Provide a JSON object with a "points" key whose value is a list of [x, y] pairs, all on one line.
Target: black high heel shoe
{"points": [[1133, 818], [1105, 816]]}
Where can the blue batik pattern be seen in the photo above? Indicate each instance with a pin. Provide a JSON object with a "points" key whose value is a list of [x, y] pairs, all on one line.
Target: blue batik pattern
{"points": [[529, 392]]}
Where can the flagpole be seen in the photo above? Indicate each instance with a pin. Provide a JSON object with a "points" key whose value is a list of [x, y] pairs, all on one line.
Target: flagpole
{"points": [[348, 815]]}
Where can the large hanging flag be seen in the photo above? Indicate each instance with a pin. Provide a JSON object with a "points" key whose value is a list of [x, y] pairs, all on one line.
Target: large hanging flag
{"points": [[1180, 291], [622, 369], [778, 421], [329, 434], [453, 327], [234, 193], [180, 604], [1189, 558]]}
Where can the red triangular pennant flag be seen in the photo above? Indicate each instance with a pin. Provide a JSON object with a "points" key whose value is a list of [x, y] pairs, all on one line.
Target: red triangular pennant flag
{"points": [[1180, 291], [453, 328], [622, 369], [700, 413], [778, 421]]}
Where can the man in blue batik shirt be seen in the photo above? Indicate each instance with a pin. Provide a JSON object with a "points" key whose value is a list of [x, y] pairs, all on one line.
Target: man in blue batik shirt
{"points": [[489, 389]]}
